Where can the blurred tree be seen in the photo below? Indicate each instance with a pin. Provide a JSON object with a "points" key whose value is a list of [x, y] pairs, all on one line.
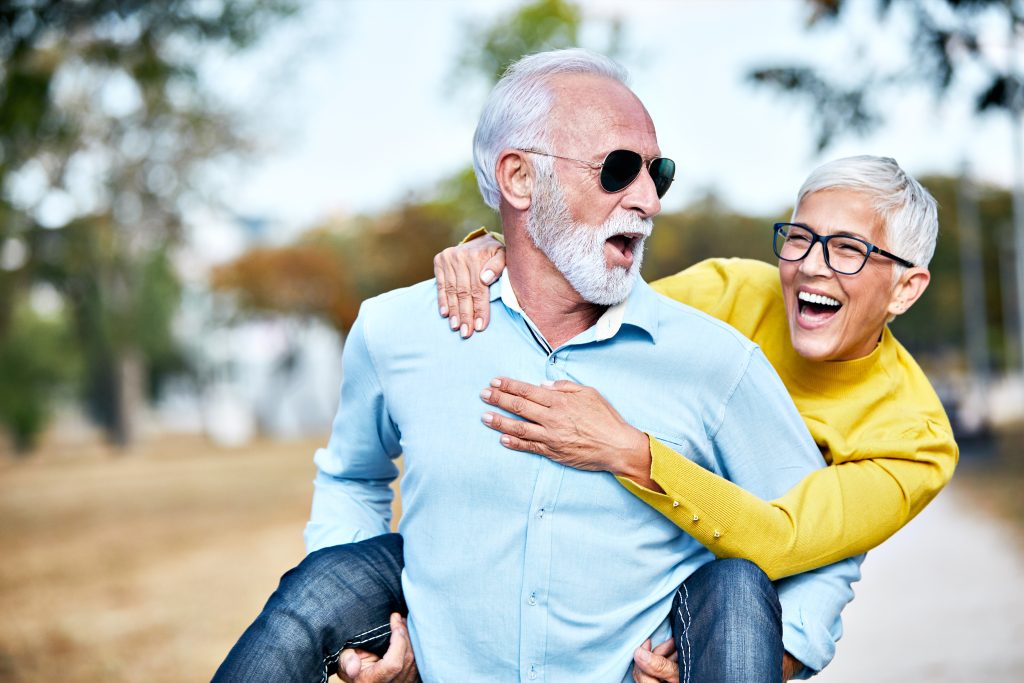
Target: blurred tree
{"points": [[34, 364], [532, 27], [104, 126], [309, 278], [934, 325], [330, 269], [946, 37]]}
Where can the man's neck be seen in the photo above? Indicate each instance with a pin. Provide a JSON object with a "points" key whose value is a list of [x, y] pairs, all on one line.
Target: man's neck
{"points": [[545, 295]]}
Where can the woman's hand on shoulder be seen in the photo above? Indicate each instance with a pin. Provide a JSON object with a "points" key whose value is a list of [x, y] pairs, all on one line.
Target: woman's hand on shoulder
{"points": [[463, 274]]}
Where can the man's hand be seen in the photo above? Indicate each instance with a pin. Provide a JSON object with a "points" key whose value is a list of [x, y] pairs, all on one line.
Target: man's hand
{"points": [[396, 666], [569, 423], [660, 665], [463, 273]]}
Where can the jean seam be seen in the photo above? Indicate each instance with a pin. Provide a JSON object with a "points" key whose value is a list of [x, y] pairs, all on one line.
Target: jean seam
{"points": [[684, 651]]}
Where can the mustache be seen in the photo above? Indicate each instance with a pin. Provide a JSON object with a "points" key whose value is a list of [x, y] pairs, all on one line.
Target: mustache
{"points": [[629, 223]]}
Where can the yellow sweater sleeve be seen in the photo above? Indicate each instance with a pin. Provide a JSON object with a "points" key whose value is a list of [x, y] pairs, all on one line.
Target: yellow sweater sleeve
{"points": [[887, 464], [833, 513], [481, 232]]}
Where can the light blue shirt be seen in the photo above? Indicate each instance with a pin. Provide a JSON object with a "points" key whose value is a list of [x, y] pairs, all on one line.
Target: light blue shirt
{"points": [[518, 568]]}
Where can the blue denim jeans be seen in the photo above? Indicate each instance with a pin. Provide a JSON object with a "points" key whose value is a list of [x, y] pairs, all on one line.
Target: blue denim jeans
{"points": [[727, 624], [337, 597], [726, 619]]}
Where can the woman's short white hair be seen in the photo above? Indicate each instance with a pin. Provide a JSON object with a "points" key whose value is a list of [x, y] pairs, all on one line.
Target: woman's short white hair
{"points": [[908, 211], [517, 110]]}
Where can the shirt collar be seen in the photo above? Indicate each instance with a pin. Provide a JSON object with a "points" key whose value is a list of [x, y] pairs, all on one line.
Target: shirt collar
{"points": [[639, 309]]}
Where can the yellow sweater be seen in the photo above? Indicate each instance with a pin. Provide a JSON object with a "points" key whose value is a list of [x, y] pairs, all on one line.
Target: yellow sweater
{"points": [[876, 419]]}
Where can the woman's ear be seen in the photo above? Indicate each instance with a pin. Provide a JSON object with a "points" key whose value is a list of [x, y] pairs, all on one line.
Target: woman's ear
{"points": [[908, 290], [515, 179]]}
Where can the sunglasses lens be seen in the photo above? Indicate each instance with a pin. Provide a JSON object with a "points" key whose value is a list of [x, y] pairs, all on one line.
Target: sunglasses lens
{"points": [[663, 171], [621, 167]]}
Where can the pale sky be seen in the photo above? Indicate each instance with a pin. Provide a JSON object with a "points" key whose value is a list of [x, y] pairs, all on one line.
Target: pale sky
{"points": [[352, 107]]}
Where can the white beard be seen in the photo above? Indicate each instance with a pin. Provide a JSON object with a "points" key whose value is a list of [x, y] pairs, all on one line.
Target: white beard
{"points": [[577, 249]]}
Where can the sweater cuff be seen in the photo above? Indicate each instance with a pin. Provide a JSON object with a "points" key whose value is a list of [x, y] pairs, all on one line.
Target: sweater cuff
{"points": [[690, 493], [481, 232]]}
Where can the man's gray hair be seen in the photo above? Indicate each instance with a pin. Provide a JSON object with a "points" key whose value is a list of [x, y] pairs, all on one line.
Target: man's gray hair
{"points": [[517, 110], [908, 211]]}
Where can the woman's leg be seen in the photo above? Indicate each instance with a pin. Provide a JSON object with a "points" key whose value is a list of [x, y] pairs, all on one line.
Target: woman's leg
{"points": [[337, 597], [727, 624]]}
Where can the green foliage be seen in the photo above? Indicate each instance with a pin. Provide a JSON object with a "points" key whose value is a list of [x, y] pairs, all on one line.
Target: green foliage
{"points": [[111, 86], [945, 40], [533, 27], [37, 359]]}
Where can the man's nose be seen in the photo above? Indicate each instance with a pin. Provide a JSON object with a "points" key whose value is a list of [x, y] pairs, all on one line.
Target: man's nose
{"points": [[814, 262], [642, 196]]}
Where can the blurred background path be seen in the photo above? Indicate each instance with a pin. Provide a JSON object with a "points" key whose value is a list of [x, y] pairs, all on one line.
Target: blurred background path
{"points": [[942, 601]]}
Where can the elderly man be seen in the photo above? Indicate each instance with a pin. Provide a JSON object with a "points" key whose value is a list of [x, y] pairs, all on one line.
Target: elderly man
{"points": [[516, 567], [854, 256]]}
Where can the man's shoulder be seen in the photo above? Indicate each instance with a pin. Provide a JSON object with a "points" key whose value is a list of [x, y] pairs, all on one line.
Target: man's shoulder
{"points": [[415, 300], [401, 312]]}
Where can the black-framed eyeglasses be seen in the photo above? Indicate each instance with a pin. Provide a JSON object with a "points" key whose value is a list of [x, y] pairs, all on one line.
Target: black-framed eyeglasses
{"points": [[844, 254], [622, 166]]}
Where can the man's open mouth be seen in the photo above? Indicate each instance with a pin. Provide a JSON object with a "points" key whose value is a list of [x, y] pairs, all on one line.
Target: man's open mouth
{"points": [[624, 243], [619, 250], [816, 307]]}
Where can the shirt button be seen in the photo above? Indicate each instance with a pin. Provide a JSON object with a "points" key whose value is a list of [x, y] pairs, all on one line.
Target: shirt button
{"points": [[696, 518], [675, 503], [532, 674], [540, 513], [718, 535], [532, 599], [551, 360]]}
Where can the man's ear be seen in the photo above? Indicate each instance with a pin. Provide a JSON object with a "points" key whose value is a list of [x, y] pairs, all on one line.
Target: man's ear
{"points": [[515, 178], [908, 289]]}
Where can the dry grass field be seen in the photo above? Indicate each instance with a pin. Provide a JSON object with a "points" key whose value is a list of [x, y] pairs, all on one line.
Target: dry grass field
{"points": [[143, 567]]}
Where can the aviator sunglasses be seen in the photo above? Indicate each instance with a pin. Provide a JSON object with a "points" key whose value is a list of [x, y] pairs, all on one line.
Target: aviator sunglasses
{"points": [[622, 166]]}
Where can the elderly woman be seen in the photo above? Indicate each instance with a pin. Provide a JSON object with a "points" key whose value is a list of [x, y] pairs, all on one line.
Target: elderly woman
{"points": [[853, 258]]}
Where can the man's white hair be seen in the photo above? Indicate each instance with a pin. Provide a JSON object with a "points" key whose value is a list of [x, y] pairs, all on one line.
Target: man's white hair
{"points": [[517, 110], [908, 211]]}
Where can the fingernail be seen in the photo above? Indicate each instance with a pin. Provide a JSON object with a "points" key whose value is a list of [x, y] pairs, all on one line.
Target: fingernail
{"points": [[454, 322], [485, 394], [487, 276], [444, 311], [547, 383], [495, 382], [489, 418], [643, 655], [478, 325], [506, 440], [465, 331]]}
